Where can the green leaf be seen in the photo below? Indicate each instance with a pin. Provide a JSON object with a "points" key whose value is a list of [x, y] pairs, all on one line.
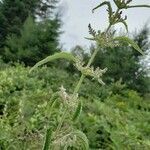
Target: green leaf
{"points": [[78, 111], [74, 139], [136, 6], [61, 55], [51, 104], [47, 142], [82, 140], [102, 4], [129, 41]]}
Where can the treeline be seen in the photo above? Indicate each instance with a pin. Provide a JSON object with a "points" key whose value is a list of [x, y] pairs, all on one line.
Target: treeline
{"points": [[30, 30]]}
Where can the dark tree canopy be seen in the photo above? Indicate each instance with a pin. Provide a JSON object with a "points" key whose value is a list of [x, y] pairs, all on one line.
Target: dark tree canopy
{"points": [[13, 15], [29, 30]]}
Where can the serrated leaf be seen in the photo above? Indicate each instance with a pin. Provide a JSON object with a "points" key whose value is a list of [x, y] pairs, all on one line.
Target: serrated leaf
{"points": [[129, 41], [102, 4], [74, 139], [78, 111], [61, 55], [47, 141], [82, 139]]}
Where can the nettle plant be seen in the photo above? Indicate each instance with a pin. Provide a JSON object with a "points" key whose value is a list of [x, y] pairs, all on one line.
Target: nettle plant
{"points": [[64, 134]]}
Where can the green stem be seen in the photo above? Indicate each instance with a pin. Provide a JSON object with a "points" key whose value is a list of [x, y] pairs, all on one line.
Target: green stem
{"points": [[76, 90], [110, 24], [79, 84], [83, 76], [108, 28], [92, 57], [78, 87]]}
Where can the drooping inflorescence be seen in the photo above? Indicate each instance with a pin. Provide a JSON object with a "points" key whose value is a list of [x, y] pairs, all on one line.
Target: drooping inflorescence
{"points": [[89, 71]]}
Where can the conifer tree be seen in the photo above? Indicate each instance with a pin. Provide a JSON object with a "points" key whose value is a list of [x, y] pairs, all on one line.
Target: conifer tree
{"points": [[15, 22], [13, 15]]}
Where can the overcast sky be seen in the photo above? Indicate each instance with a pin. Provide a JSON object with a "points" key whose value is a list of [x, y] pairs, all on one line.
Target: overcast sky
{"points": [[77, 15]]}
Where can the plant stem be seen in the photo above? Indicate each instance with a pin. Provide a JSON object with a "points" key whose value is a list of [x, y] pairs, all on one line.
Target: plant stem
{"points": [[108, 28], [83, 76], [110, 24], [76, 90], [92, 57], [79, 84]]}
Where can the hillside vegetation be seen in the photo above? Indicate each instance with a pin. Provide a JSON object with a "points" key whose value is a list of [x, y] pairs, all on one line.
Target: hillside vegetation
{"points": [[113, 117]]}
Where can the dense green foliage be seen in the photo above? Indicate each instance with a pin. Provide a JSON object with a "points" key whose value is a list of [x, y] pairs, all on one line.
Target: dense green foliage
{"points": [[113, 116], [12, 16], [71, 108], [37, 40], [31, 35]]}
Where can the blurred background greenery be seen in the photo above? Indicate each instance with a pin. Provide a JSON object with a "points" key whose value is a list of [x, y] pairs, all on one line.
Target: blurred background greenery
{"points": [[115, 116]]}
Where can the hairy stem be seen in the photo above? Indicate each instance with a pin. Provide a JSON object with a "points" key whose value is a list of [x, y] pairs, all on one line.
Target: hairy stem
{"points": [[76, 91], [92, 57], [79, 84], [83, 76]]}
